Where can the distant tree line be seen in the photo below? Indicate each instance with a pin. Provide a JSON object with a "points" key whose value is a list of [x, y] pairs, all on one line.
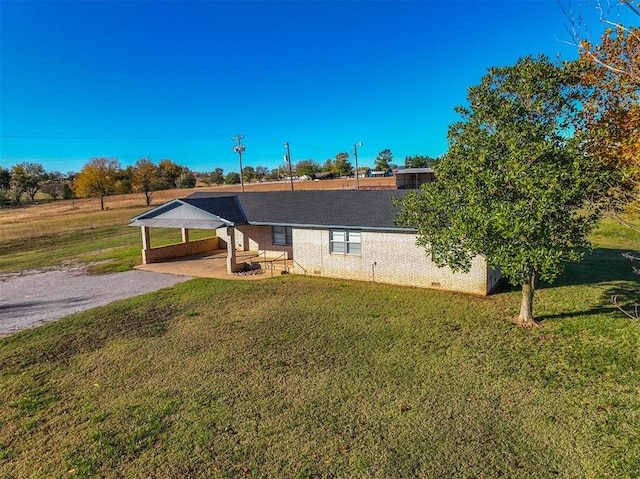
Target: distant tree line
{"points": [[25, 180], [341, 166], [101, 177]]}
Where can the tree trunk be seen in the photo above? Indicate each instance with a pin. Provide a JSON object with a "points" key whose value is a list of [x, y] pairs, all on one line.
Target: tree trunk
{"points": [[526, 307], [102, 202]]}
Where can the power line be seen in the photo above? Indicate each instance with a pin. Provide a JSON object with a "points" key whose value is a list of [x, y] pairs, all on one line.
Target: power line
{"points": [[95, 136]]}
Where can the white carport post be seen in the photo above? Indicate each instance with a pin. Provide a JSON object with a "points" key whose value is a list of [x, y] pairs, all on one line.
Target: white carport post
{"points": [[146, 243], [185, 235], [232, 265]]}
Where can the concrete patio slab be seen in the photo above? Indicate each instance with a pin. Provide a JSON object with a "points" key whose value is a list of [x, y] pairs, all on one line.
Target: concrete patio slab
{"points": [[203, 266]]}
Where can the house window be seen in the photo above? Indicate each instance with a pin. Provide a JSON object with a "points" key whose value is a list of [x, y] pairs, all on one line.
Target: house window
{"points": [[282, 235], [345, 242]]}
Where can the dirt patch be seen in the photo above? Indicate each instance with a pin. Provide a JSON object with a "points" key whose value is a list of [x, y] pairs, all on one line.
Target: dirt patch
{"points": [[33, 297], [70, 267]]}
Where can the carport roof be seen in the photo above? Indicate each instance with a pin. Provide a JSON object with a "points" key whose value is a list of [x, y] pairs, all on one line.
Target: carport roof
{"points": [[200, 214], [322, 208]]}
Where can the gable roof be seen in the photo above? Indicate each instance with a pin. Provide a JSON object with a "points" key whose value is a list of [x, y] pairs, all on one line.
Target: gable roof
{"points": [[314, 209], [179, 214], [226, 207]]}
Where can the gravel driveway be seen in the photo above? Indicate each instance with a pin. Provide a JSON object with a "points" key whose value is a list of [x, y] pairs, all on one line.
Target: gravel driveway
{"points": [[31, 298]]}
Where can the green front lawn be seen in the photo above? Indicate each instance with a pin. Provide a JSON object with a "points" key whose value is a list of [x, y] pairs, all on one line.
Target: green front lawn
{"points": [[314, 378]]}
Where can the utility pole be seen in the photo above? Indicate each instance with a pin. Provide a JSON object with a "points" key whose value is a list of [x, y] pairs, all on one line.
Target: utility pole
{"points": [[239, 148], [355, 155], [287, 158]]}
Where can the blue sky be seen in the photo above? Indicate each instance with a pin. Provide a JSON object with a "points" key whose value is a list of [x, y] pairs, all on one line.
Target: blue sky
{"points": [[160, 79]]}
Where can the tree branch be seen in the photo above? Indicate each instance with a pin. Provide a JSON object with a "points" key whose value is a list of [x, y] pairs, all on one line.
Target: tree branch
{"points": [[633, 313]]}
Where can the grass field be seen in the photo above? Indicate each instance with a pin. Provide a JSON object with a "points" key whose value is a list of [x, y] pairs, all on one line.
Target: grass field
{"points": [[31, 221], [36, 236], [106, 249], [312, 378]]}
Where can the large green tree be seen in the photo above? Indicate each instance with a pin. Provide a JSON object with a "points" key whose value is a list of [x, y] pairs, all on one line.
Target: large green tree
{"points": [[515, 185], [217, 176], [327, 166], [232, 178], [419, 161], [383, 161], [307, 168], [342, 166]]}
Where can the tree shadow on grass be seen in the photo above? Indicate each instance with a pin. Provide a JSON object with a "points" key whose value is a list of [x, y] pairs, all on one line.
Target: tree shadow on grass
{"points": [[571, 314], [605, 269], [627, 296], [608, 270], [603, 265]]}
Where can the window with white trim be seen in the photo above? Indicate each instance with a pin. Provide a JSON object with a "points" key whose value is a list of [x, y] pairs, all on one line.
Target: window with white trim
{"points": [[282, 235], [345, 242]]}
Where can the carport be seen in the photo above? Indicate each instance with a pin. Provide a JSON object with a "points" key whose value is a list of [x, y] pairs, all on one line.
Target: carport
{"points": [[229, 252], [184, 215]]}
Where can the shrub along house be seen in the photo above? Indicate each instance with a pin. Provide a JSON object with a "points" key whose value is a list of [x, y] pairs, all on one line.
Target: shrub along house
{"points": [[336, 233]]}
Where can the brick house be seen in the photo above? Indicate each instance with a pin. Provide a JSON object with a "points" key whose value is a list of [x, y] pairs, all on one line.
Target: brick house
{"points": [[334, 233]]}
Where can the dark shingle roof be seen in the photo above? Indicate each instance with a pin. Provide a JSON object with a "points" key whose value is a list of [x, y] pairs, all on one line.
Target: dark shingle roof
{"points": [[226, 207], [325, 208]]}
